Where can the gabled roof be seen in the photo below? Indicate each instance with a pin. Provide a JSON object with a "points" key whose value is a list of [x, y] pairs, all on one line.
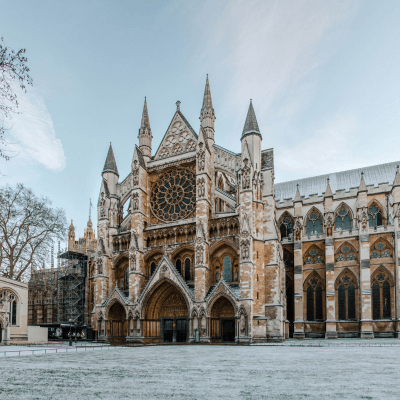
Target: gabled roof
{"points": [[344, 180], [175, 118], [110, 164], [119, 293]]}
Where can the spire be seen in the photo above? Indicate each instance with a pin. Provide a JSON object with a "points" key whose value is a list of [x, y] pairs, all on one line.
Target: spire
{"points": [[207, 102], [71, 227], [363, 186], [145, 117], [297, 197], [110, 164], [397, 177], [328, 190], [207, 114], [251, 125], [145, 135]]}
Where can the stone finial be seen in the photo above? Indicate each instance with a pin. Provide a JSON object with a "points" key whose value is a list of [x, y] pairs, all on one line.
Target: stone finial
{"points": [[178, 105]]}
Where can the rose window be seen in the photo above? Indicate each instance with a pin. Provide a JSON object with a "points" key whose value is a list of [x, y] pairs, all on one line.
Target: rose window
{"points": [[174, 195]]}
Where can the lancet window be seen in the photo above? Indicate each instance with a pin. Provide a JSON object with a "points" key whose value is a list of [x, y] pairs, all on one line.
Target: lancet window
{"points": [[381, 249], [314, 223], [152, 268], [314, 256], [286, 226], [187, 270], [375, 216], [315, 298], [227, 269], [381, 295], [343, 219], [288, 258], [346, 293]]}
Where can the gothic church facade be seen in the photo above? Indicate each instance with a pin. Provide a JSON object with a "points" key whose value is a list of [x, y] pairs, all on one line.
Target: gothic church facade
{"points": [[198, 244]]}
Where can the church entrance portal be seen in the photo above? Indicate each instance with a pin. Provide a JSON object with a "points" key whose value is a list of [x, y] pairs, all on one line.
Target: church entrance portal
{"points": [[117, 323], [166, 315], [222, 324]]}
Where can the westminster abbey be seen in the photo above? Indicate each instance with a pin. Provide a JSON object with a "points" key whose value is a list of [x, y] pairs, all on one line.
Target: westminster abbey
{"points": [[199, 244]]}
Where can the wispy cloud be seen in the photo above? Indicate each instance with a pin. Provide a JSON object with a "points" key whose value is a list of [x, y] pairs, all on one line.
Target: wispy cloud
{"points": [[33, 134], [274, 50]]}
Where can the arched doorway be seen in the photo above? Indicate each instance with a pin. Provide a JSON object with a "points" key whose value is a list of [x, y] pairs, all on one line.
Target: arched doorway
{"points": [[222, 326], [166, 317], [117, 323]]}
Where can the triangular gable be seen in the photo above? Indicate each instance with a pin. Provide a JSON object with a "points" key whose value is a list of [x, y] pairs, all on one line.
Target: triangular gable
{"points": [[116, 294], [179, 138], [222, 287], [166, 269]]}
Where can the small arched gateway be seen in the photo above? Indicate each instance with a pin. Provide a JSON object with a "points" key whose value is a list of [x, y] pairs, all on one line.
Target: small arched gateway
{"points": [[116, 326], [166, 314], [222, 326]]}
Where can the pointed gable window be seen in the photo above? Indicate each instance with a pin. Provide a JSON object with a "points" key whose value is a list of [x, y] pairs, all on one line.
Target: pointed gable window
{"points": [[286, 226], [314, 223], [314, 256], [343, 219], [375, 217], [381, 249], [382, 286]]}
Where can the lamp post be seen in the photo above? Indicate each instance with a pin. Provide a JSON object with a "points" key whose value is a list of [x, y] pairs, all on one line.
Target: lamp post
{"points": [[70, 338]]}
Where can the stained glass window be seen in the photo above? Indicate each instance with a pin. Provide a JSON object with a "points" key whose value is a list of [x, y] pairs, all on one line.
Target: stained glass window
{"points": [[179, 266], [14, 313], [375, 217], [286, 227], [314, 225], [343, 219], [152, 268], [227, 269], [342, 302], [310, 304], [376, 297], [381, 250]]}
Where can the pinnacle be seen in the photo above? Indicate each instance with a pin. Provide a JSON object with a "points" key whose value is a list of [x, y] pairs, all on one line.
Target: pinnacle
{"points": [[363, 186], [328, 191], [145, 116], [251, 125], [110, 164], [297, 197], [397, 177]]}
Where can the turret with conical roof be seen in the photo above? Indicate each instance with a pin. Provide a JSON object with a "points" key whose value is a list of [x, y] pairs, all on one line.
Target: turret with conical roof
{"points": [[252, 136], [145, 135], [207, 115], [110, 171]]}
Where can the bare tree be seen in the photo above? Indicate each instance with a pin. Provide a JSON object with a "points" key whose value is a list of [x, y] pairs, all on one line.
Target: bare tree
{"points": [[28, 227], [12, 68]]}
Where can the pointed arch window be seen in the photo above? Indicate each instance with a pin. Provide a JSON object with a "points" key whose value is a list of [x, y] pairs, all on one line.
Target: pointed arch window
{"points": [[289, 300], [346, 292], [314, 224], [314, 256], [375, 217], [227, 269], [286, 227], [288, 258], [152, 268], [187, 270], [315, 299], [381, 249], [381, 296], [179, 266], [343, 219], [14, 312], [346, 253], [127, 278]]}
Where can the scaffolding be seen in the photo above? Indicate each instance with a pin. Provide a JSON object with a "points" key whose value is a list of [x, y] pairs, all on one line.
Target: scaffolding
{"points": [[71, 276]]}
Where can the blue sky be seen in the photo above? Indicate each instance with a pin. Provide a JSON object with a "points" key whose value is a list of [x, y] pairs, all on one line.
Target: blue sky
{"points": [[323, 76]]}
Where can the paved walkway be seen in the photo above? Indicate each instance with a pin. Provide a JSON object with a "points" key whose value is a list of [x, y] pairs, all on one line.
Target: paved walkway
{"points": [[207, 372]]}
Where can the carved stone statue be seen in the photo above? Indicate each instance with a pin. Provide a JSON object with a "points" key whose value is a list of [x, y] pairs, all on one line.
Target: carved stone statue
{"points": [[132, 259], [329, 224], [364, 219], [245, 249], [102, 204], [135, 201], [201, 157], [135, 174], [99, 263], [297, 229], [217, 276], [199, 254], [246, 174], [201, 187]]}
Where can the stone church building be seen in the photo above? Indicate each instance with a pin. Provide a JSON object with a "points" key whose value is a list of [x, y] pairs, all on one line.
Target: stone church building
{"points": [[198, 244]]}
